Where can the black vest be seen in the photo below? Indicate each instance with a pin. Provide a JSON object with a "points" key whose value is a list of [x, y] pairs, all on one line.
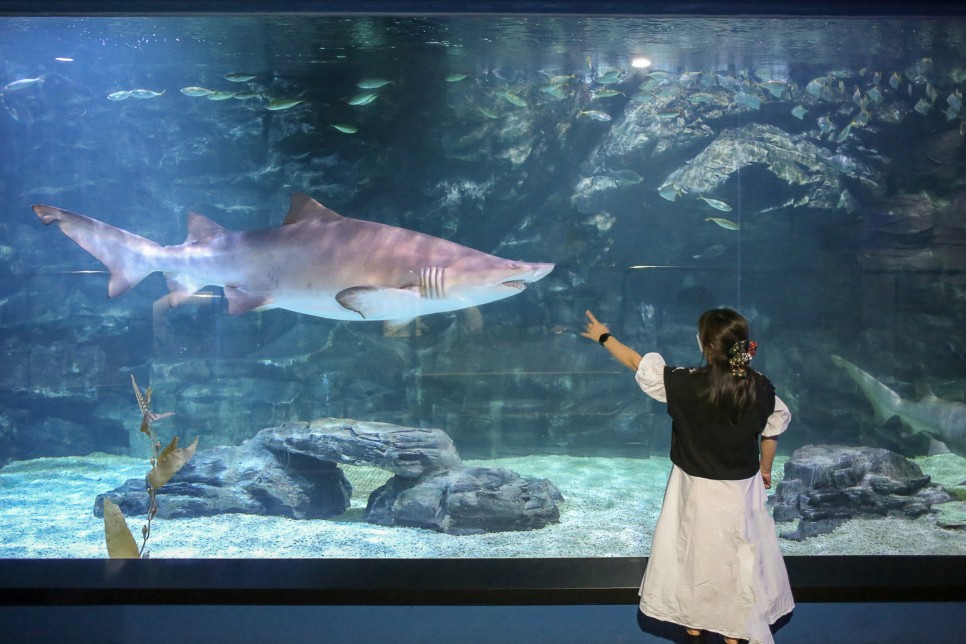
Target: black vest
{"points": [[707, 448]]}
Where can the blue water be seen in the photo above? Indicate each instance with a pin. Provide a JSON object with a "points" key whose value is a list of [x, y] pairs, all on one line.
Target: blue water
{"points": [[806, 172]]}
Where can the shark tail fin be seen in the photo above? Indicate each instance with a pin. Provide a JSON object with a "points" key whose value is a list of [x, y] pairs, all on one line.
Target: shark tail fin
{"points": [[125, 254], [885, 402]]}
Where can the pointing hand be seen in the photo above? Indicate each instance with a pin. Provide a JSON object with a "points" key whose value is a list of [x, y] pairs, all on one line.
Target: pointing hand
{"points": [[594, 328]]}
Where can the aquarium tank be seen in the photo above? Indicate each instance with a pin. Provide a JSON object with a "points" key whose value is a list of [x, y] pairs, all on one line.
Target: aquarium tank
{"points": [[312, 285]]}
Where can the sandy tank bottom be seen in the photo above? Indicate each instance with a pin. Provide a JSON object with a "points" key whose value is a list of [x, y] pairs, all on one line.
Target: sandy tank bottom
{"points": [[610, 508]]}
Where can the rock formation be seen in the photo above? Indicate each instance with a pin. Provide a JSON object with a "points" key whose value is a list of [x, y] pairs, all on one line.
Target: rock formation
{"points": [[826, 485], [292, 471]]}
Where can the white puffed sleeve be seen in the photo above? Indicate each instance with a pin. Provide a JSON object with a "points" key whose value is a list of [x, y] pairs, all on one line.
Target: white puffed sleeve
{"points": [[650, 376], [778, 421]]}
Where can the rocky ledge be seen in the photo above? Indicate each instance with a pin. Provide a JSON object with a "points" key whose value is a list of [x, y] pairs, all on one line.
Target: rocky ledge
{"points": [[293, 471], [826, 485]]}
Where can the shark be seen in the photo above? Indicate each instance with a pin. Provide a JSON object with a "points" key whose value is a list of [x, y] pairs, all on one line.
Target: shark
{"points": [[943, 420], [317, 263]]}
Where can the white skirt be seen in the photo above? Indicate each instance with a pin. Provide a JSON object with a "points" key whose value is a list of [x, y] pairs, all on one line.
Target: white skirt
{"points": [[715, 563]]}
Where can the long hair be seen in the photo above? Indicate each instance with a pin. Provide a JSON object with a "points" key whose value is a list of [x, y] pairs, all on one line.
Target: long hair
{"points": [[730, 395]]}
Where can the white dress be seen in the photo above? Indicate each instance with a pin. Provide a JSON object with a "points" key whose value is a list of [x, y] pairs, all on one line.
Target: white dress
{"points": [[715, 563]]}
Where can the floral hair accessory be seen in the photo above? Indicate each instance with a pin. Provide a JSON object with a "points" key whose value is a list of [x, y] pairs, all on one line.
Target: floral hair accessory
{"points": [[741, 354]]}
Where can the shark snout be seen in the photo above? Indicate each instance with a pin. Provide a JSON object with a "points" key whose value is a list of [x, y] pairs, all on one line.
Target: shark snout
{"points": [[529, 274]]}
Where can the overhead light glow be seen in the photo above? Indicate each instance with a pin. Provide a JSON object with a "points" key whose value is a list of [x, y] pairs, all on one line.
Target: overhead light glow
{"points": [[640, 62], [64, 59]]}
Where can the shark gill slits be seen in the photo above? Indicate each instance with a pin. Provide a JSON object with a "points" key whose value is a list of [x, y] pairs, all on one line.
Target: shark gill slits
{"points": [[431, 282]]}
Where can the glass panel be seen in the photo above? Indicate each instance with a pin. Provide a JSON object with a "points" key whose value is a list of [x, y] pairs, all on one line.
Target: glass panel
{"points": [[806, 172]]}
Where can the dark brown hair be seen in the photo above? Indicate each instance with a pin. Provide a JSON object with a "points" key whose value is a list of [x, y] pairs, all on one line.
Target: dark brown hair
{"points": [[731, 396]]}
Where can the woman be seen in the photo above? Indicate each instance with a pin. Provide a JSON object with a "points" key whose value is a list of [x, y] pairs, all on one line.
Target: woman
{"points": [[715, 564]]}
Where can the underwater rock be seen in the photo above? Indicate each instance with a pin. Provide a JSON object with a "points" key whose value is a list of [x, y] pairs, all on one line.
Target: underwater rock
{"points": [[466, 500], [408, 452], [825, 485], [292, 471], [794, 160], [247, 479]]}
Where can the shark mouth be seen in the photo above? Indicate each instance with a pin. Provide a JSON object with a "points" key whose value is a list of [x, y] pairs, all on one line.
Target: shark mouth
{"points": [[517, 284]]}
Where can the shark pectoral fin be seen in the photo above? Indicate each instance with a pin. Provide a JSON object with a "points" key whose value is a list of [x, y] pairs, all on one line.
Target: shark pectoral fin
{"points": [[380, 303], [181, 288], [241, 301]]}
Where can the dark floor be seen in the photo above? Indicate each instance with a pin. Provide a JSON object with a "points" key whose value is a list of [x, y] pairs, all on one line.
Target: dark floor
{"points": [[812, 623]]}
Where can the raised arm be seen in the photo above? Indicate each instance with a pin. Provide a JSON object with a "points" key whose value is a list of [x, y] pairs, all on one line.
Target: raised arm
{"points": [[624, 354]]}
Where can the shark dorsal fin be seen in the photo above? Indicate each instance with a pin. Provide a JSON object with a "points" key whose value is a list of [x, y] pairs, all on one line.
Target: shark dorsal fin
{"points": [[305, 207], [202, 229]]}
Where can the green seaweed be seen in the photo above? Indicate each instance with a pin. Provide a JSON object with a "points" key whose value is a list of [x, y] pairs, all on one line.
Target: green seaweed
{"points": [[165, 463]]}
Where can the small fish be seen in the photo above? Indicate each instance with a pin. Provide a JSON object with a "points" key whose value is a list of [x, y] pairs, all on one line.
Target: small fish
{"points": [[551, 87], [922, 107], [363, 99], [816, 85], [669, 192], [701, 97], [606, 93], [748, 100], [862, 118], [195, 91], [931, 93], [951, 113], [597, 115], [279, 104], [894, 80], [219, 96], [490, 114], [774, 87], [455, 78], [239, 77], [844, 134], [119, 96], [345, 129], [717, 205], [711, 252], [874, 95], [146, 93], [857, 97], [372, 83], [825, 124], [512, 98], [245, 96], [727, 224], [610, 77], [557, 94], [23, 83], [799, 111], [955, 100], [560, 79], [667, 116]]}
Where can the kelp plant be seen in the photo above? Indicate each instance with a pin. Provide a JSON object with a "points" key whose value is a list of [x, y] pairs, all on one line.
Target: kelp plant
{"points": [[164, 464]]}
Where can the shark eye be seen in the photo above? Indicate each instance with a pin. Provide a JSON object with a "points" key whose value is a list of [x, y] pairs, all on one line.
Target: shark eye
{"points": [[514, 265]]}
